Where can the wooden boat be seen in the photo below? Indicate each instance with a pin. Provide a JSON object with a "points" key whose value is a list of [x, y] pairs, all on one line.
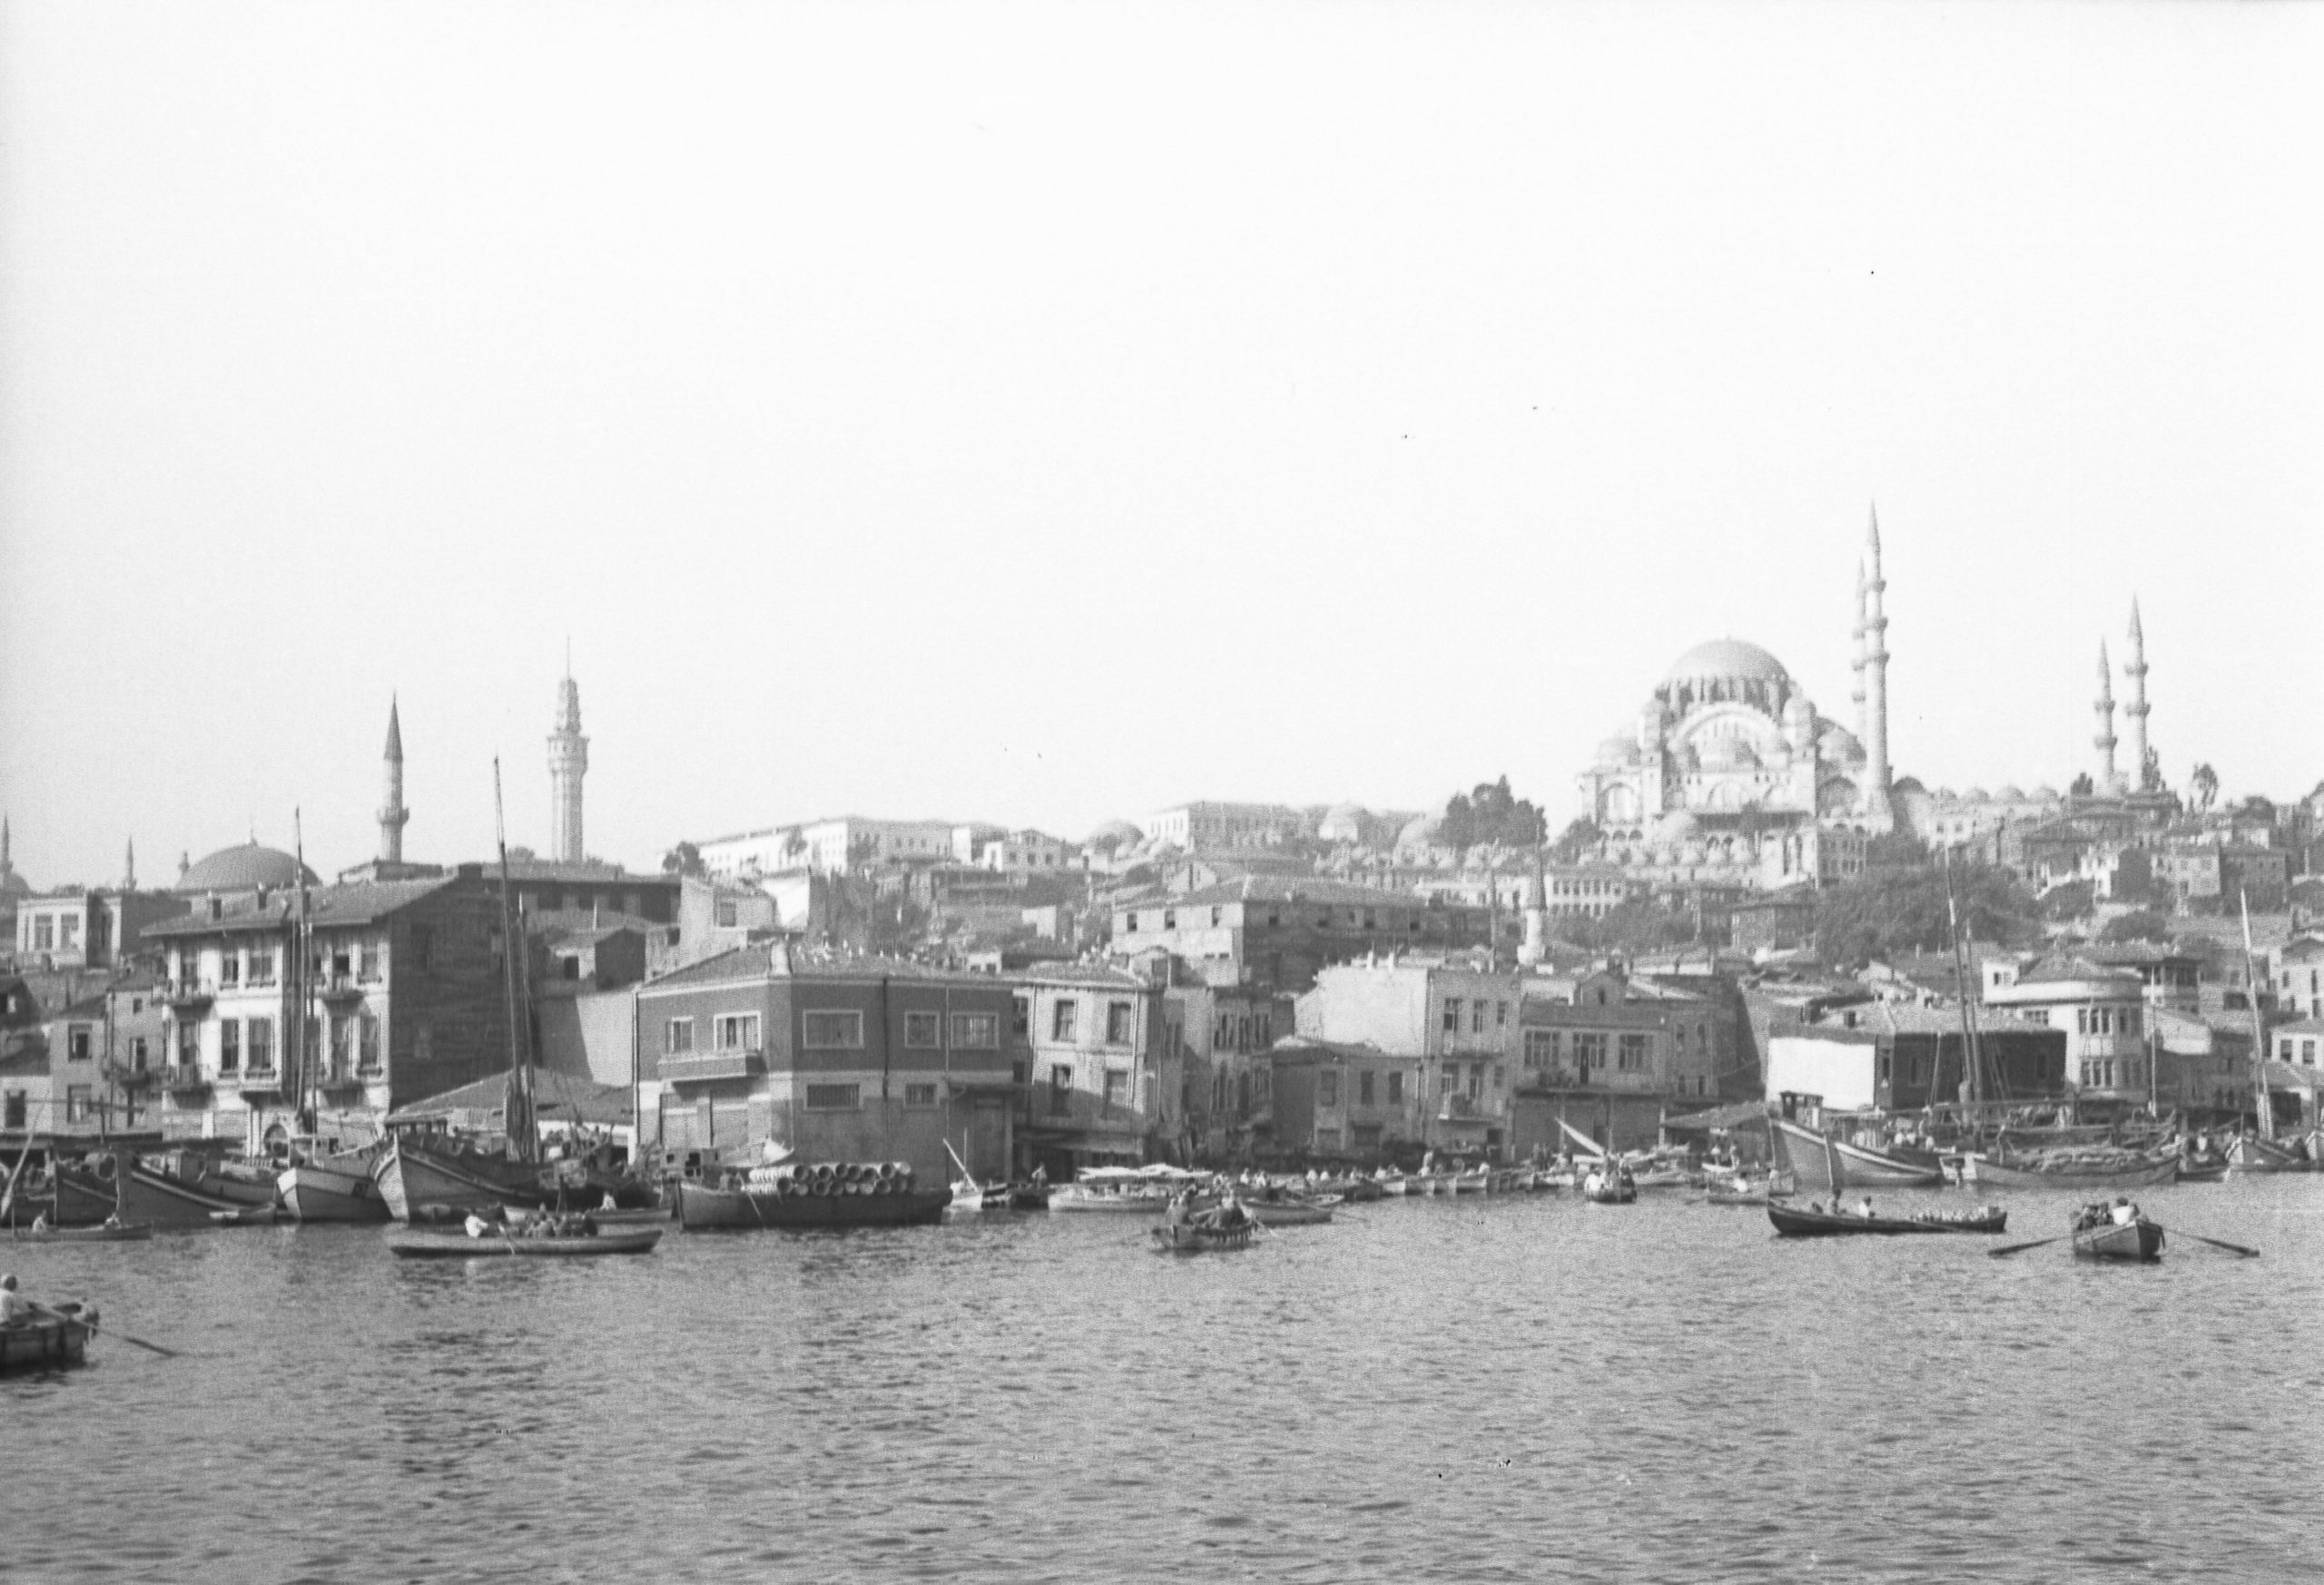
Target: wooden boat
{"points": [[701, 1206], [1395, 1184], [2100, 1235], [1800, 1222], [1193, 1238], [969, 1197], [461, 1246], [246, 1217], [2248, 1154], [1738, 1194], [2201, 1171], [415, 1171], [2089, 1176], [633, 1216], [1657, 1178], [1291, 1212], [1135, 1201], [102, 1233], [54, 1342], [1609, 1188], [176, 1190], [334, 1188], [1822, 1163]]}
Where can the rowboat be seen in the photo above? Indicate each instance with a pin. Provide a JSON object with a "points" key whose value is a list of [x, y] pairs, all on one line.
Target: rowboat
{"points": [[56, 1340], [1609, 1188], [461, 1246], [1660, 1177], [969, 1199], [2249, 1154], [1823, 1162], [1140, 1201], [1799, 1222], [1292, 1213], [414, 1172], [333, 1189], [2201, 1171], [1191, 1239], [2090, 1176], [1738, 1194], [1395, 1184], [701, 1206], [119, 1234], [1473, 1182], [2104, 1232]]}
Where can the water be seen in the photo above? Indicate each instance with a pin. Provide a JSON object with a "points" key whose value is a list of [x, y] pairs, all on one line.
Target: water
{"points": [[1525, 1388]]}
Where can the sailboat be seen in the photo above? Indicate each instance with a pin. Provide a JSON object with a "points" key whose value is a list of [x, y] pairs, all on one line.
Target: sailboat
{"points": [[429, 1173], [317, 1185]]}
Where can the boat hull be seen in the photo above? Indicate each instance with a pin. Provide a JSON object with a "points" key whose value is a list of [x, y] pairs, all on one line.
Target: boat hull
{"points": [[703, 1208], [338, 1189], [1117, 1205], [1191, 1240], [44, 1344], [1821, 1164], [1793, 1222], [2248, 1156], [139, 1234], [461, 1246], [2137, 1241], [165, 1200], [1286, 1214], [413, 1176], [1987, 1173]]}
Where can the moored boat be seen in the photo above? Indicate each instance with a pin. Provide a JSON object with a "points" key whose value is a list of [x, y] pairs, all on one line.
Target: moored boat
{"points": [[1291, 1212], [1822, 1162], [701, 1206], [2089, 1173], [337, 1187], [2248, 1154], [105, 1232], [417, 1246], [1609, 1186], [58, 1340], [2116, 1232], [1808, 1222], [417, 1171], [1195, 1238]]}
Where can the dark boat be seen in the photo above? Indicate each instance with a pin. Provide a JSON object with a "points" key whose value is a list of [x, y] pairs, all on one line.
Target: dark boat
{"points": [[1799, 1222], [2192, 1170], [1196, 1239], [2101, 1232], [56, 1340], [137, 1234], [755, 1206], [461, 1246]]}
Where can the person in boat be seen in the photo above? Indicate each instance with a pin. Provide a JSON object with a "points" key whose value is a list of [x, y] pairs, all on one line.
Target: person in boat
{"points": [[14, 1308], [1865, 1209], [40, 1224], [2122, 1213]]}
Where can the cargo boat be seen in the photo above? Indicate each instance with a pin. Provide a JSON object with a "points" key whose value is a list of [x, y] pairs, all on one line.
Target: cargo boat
{"points": [[1821, 1164], [701, 1207], [1799, 1222]]}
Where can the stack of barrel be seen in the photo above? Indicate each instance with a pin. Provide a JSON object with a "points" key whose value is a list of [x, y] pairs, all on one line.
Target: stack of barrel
{"points": [[834, 1177]]}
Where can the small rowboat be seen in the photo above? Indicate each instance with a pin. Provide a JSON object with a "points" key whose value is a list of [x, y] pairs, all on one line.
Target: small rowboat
{"points": [[1191, 1239], [114, 1235], [1796, 1222], [1738, 1194], [461, 1246], [45, 1342], [1292, 1213], [2097, 1235], [1609, 1188]]}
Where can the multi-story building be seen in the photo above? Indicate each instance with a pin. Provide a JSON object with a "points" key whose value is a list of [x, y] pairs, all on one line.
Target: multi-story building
{"points": [[1221, 1034], [2214, 875], [2298, 973], [2102, 1010], [408, 998], [1105, 1083], [832, 847], [2170, 974], [1280, 932], [2299, 1044], [1336, 1101], [1891, 1056], [1196, 828], [1604, 1055], [836, 1059], [80, 927], [1451, 1022]]}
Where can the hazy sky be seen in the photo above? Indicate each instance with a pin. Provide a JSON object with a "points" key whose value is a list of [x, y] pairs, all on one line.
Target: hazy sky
{"points": [[1042, 413]]}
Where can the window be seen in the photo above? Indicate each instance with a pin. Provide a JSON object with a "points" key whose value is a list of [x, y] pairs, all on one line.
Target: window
{"points": [[1476, 1017], [1452, 1015], [677, 1036], [1129, 924], [1116, 1086], [1500, 1014], [1327, 1088], [726, 914], [1061, 1089], [2130, 1020], [76, 1103], [188, 1044], [833, 1031], [920, 1094], [261, 966], [1540, 1047], [230, 967], [834, 1097], [1364, 1087], [1022, 1016], [366, 964], [1169, 918], [261, 1041], [923, 1032], [740, 1031], [1476, 1080], [230, 1044], [342, 1042], [367, 1046], [423, 948], [11, 1116], [137, 1054], [423, 1043], [1589, 1051], [76, 1043], [1450, 1079], [43, 932], [1500, 1076], [1121, 1023], [1061, 1019], [1217, 917], [1396, 1088], [976, 1031]]}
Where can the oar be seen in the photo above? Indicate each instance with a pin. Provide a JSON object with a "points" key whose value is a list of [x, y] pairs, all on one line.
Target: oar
{"points": [[2013, 1248], [2223, 1243], [60, 1315]]}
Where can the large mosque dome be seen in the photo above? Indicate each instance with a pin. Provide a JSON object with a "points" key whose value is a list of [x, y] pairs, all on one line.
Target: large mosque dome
{"points": [[1725, 658], [243, 868]]}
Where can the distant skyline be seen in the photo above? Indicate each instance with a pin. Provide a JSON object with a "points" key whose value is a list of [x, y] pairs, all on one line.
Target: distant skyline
{"points": [[1045, 414]]}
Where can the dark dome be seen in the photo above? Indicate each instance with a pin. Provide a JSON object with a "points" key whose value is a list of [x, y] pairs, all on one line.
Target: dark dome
{"points": [[243, 868]]}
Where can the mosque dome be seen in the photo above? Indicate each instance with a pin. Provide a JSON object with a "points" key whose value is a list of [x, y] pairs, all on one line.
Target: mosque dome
{"points": [[1677, 826], [1976, 795], [1616, 750], [1114, 833], [1724, 658], [243, 868], [1837, 743], [2009, 794], [1422, 831], [1726, 753], [2045, 795], [1344, 822], [13, 885]]}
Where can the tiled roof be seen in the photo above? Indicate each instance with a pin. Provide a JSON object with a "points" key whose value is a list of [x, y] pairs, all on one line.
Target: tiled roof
{"points": [[355, 903], [780, 960], [1302, 889], [557, 1096], [583, 874], [1078, 974]]}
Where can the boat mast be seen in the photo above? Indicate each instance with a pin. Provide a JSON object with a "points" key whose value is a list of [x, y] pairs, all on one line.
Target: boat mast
{"points": [[517, 1111], [295, 992], [2258, 1028], [1973, 1066]]}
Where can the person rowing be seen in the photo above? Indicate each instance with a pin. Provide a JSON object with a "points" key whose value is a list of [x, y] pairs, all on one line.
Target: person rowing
{"points": [[15, 1309]]}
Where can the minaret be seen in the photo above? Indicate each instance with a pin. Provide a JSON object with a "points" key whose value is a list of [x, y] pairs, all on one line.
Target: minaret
{"points": [[1876, 680], [1857, 666], [2107, 780], [129, 867], [7, 866], [392, 812], [569, 762], [2135, 711]]}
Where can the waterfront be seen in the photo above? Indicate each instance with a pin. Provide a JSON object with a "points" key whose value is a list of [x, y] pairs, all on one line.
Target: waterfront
{"points": [[1473, 1389]]}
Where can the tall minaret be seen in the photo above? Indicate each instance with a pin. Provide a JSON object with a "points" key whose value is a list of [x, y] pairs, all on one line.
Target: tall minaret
{"points": [[2135, 711], [1862, 732], [2107, 780], [569, 762], [392, 812], [1875, 680], [129, 867]]}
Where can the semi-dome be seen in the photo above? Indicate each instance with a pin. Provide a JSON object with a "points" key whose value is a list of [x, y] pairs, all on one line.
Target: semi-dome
{"points": [[1344, 822], [1728, 657], [1618, 750], [1422, 831], [1113, 835], [243, 868], [2009, 794], [1677, 826]]}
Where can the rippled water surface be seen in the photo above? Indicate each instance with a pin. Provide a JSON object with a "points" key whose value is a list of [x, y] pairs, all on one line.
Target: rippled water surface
{"points": [[1477, 1389]]}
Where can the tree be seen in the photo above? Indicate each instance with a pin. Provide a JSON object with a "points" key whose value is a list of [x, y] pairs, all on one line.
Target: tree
{"points": [[1492, 814], [685, 859], [2072, 901], [1884, 912], [2204, 783], [2082, 786], [2138, 925], [1630, 928], [1895, 849], [1581, 835]]}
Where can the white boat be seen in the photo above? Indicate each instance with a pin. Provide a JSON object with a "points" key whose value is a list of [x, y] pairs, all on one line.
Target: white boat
{"points": [[968, 1196], [334, 1188], [1394, 1183]]}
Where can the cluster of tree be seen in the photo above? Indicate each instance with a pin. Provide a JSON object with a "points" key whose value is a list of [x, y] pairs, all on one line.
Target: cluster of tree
{"points": [[2138, 925], [685, 859], [1580, 836], [1631, 928], [1884, 912], [1492, 814]]}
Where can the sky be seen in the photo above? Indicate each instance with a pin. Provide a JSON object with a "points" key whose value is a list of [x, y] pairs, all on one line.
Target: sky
{"points": [[1046, 413]]}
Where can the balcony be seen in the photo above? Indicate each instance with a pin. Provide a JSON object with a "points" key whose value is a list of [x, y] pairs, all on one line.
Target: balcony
{"points": [[1462, 1109], [258, 1081], [186, 1081], [341, 1082], [711, 1065], [122, 1077], [339, 989], [189, 995]]}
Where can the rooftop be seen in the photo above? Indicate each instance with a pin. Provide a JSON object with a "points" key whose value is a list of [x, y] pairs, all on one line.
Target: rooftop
{"points": [[353, 903]]}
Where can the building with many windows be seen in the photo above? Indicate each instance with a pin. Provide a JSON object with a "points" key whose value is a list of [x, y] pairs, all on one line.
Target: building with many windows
{"points": [[1104, 1082], [2102, 1010], [1281, 932], [1200, 827], [1451, 1022]]}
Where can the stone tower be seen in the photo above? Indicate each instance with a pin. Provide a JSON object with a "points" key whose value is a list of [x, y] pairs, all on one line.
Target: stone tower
{"points": [[2108, 779], [129, 866], [1855, 665], [392, 812], [569, 762], [1875, 682], [2135, 711]]}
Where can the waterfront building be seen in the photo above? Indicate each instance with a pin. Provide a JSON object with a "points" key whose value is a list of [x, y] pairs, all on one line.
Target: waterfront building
{"points": [[2202, 1061], [1895, 1057], [1221, 1033], [2298, 1044], [1451, 1019], [1105, 1081], [1202, 827], [2099, 1010], [1280, 932], [410, 999], [2299, 972], [1607, 1054], [834, 1059], [1336, 1100]]}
